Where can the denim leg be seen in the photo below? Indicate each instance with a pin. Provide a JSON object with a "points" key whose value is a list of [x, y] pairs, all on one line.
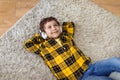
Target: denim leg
{"points": [[102, 69], [105, 67], [92, 77]]}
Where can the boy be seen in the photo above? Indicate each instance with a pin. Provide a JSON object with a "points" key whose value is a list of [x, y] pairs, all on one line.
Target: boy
{"points": [[56, 46]]}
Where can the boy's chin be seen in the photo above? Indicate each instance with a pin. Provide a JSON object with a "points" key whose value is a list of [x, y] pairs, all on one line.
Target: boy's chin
{"points": [[55, 37]]}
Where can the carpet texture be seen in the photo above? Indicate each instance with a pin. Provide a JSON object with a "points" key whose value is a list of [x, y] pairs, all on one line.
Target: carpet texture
{"points": [[97, 34]]}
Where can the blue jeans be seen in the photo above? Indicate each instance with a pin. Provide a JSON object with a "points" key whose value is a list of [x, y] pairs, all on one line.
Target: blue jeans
{"points": [[102, 69]]}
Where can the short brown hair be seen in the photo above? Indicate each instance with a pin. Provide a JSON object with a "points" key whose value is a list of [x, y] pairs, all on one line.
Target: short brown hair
{"points": [[45, 20]]}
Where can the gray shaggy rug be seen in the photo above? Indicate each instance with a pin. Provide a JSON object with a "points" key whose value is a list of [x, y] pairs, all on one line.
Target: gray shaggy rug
{"points": [[97, 34]]}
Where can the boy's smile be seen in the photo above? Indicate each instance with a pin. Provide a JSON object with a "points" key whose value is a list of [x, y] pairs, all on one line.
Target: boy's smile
{"points": [[52, 29]]}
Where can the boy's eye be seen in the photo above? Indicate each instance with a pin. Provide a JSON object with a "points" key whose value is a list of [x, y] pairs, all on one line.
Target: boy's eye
{"points": [[55, 25], [49, 27]]}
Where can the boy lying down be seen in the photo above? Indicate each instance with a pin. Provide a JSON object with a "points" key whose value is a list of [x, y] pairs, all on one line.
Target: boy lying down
{"points": [[56, 46]]}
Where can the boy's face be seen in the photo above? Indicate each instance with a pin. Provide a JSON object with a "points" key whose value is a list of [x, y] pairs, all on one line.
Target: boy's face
{"points": [[52, 29]]}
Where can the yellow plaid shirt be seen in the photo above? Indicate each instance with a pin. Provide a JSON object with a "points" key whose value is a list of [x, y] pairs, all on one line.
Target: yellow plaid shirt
{"points": [[64, 59]]}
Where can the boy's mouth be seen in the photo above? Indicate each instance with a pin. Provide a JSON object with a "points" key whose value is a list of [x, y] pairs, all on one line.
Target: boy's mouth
{"points": [[55, 32]]}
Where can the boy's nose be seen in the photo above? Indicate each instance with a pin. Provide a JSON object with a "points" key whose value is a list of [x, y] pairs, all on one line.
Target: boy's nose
{"points": [[53, 28]]}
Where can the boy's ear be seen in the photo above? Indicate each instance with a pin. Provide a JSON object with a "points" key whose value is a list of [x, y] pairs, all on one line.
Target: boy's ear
{"points": [[43, 35]]}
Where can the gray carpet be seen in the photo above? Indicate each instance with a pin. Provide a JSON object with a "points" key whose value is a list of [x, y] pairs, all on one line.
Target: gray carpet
{"points": [[97, 34]]}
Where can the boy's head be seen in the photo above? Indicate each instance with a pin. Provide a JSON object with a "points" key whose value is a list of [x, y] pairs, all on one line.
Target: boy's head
{"points": [[51, 27]]}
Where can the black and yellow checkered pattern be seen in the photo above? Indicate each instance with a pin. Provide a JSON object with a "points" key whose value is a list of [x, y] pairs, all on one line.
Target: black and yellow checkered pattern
{"points": [[66, 61]]}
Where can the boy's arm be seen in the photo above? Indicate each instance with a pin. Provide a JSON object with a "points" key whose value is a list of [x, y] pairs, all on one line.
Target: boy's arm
{"points": [[33, 44], [68, 28]]}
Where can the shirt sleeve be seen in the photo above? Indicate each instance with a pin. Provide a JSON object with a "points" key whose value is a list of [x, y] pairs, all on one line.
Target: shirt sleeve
{"points": [[33, 44], [68, 28]]}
